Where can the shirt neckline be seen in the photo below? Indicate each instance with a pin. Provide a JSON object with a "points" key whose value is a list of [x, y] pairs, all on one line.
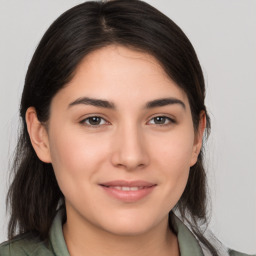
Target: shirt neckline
{"points": [[188, 244]]}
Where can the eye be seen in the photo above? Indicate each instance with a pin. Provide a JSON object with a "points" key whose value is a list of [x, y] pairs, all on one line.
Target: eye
{"points": [[94, 121], [161, 120]]}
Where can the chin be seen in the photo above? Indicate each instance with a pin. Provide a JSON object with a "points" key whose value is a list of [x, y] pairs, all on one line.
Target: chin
{"points": [[121, 230], [131, 225]]}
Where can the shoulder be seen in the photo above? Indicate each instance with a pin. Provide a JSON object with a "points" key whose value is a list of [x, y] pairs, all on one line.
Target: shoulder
{"points": [[27, 245], [235, 253]]}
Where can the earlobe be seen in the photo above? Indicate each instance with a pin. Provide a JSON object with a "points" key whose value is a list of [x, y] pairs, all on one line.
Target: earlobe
{"points": [[198, 141], [38, 135]]}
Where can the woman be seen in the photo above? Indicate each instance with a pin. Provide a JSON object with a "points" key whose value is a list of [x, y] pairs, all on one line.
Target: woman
{"points": [[113, 121]]}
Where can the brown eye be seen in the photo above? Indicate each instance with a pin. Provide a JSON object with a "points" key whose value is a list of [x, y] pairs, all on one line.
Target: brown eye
{"points": [[94, 121], [161, 120]]}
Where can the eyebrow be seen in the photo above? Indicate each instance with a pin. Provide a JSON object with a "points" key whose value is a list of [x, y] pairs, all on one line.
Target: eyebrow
{"points": [[110, 105], [93, 102], [165, 102]]}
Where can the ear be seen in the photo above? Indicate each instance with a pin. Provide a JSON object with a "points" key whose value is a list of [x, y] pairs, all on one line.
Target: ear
{"points": [[38, 135], [198, 141]]}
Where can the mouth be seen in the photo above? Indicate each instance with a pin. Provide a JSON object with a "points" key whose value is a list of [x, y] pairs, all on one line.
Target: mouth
{"points": [[128, 191], [125, 188]]}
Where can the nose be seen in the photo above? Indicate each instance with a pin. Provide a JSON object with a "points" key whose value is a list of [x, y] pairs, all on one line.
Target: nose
{"points": [[129, 149]]}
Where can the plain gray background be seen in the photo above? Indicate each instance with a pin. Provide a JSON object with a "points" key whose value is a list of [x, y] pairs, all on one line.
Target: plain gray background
{"points": [[223, 33]]}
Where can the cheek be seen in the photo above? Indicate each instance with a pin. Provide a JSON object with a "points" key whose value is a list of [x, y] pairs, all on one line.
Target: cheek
{"points": [[173, 156], [73, 149], [75, 159], [175, 176], [175, 150]]}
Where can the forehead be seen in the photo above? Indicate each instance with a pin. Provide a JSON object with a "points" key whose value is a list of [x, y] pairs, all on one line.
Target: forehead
{"points": [[118, 56], [118, 73]]}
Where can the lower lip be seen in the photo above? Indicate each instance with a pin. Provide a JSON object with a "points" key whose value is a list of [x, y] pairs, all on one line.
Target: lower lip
{"points": [[128, 196]]}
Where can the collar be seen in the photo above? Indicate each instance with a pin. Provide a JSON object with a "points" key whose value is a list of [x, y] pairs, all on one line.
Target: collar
{"points": [[188, 244], [56, 236]]}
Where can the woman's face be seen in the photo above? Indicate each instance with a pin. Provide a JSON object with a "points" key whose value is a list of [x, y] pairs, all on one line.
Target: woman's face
{"points": [[121, 142]]}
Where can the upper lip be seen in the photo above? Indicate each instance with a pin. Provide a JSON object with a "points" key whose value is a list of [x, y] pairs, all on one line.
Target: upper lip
{"points": [[125, 183]]}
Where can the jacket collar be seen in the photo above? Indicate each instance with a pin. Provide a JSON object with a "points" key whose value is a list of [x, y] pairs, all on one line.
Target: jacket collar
{"points": [[188, 244]]}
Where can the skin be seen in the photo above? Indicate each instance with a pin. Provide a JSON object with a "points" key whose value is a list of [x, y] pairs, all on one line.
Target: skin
{"points": [[127, 144]]}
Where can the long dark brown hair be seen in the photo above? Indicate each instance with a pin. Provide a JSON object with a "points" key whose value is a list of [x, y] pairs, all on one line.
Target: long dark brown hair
{"points": [[34, 194]]}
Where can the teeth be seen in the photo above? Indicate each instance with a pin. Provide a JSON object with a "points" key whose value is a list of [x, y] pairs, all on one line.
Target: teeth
{"points": [[127, 188]]}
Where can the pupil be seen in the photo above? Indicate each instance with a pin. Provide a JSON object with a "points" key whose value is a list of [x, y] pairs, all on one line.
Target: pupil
{"points": [[94, 120], [159, 120]]}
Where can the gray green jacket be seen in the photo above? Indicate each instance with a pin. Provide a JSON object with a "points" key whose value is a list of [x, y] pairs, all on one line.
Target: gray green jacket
{"points": [[27, 245]]}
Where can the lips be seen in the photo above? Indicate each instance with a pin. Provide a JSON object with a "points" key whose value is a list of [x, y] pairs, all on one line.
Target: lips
{"points": [[128, 191], [127, 188]]}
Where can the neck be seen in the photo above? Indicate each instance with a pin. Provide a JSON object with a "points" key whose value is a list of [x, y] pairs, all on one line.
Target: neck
{"points": [[160, 241]]}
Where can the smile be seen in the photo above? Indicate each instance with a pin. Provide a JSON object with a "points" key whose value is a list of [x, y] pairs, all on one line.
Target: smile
{"points": [[128, 191], [127, 188]]}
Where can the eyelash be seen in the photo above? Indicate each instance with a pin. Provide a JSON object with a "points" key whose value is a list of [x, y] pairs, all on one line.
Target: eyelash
{"points": [[88, 119], [91, 125], [166, 118]]}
